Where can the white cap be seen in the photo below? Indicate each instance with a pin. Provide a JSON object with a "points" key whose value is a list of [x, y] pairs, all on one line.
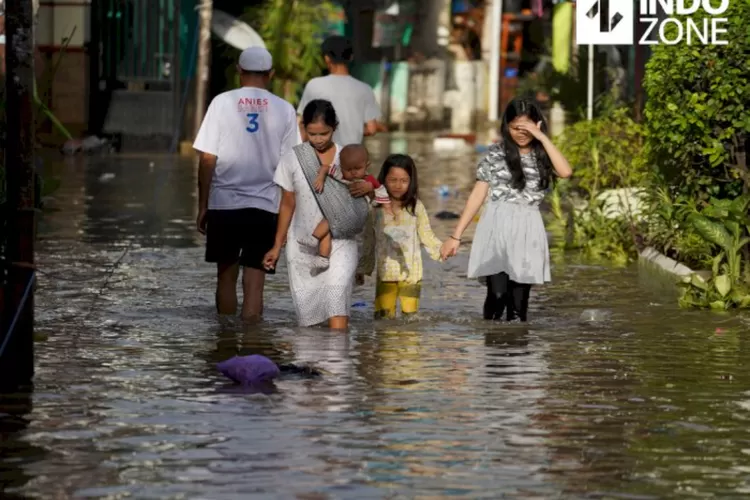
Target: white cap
{"points": [[256, 59]]}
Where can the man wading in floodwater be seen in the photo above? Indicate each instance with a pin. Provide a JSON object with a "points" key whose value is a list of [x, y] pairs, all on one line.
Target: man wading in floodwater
{"points": [[353, 101], [243, 135]]}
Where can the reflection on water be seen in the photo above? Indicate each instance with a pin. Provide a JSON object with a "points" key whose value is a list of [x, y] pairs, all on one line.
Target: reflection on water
{"points": [[651, 403], [15, 410]]}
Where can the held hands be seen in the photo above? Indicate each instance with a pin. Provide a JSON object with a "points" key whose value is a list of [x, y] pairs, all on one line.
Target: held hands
{"points": [[449, 248], [271, 258]]}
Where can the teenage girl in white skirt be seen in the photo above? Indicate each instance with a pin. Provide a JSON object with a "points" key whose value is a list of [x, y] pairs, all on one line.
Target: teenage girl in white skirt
{"points": [[510, 251]]}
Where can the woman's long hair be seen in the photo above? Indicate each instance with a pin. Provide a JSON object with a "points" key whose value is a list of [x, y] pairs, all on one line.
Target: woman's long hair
{"points": [[409, 201], [528, 108]]}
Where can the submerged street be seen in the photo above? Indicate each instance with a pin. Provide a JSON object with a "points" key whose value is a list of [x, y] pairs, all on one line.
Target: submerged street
{"points": [[648, 402]]}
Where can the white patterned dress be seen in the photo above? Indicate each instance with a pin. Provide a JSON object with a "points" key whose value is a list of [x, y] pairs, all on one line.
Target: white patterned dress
{"points": [[510, 237], [317, 297]]}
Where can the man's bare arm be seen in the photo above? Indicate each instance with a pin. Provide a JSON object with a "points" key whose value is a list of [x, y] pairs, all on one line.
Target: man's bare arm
{"points": [[206, 168], [371, 128]]}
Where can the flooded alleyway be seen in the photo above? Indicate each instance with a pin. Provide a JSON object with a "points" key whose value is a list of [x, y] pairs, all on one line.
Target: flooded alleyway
{"points": [[653, 402]]}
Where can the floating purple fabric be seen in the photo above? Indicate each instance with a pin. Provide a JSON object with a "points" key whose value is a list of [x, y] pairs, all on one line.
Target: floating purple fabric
{"points": [[249, 369]]}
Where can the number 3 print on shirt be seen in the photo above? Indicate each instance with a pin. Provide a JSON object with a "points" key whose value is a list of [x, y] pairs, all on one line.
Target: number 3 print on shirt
{"points": [[252, 123]]}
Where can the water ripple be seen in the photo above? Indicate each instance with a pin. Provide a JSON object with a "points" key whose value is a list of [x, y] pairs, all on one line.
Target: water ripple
{"points": [[652, 402]]}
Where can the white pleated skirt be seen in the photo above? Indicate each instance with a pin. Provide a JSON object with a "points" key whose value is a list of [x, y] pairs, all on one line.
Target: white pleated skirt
{"points": [[510, 238]]}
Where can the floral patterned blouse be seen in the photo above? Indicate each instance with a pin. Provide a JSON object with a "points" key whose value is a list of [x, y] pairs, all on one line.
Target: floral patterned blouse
{"points": [[393, 244], [494, 170]]}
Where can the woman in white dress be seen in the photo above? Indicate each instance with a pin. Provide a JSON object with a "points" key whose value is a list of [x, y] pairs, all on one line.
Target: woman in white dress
{"points": [[319, 296]]}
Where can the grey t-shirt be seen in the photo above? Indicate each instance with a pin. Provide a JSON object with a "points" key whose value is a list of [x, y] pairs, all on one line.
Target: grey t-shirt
{"points": [[354, 102]]}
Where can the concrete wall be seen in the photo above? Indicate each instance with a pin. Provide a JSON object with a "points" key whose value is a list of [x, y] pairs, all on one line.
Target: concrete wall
{"points": [[468, 100], [64, 25]]}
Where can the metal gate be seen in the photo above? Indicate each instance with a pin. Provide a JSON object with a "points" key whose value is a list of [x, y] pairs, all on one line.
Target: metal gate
{"points": [[138, 42]]}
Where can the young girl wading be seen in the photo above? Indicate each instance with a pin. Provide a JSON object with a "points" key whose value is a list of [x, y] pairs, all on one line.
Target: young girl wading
{"points": [[510, 251], [394, 235]]}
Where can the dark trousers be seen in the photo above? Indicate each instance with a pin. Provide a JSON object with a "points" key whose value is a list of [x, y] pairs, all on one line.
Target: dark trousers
{"points": [[505, 295]]}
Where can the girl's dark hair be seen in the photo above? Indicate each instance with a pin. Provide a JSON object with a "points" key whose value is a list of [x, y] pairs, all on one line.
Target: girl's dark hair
{"points": [[320, 110], [529, 108], [409, 200]]}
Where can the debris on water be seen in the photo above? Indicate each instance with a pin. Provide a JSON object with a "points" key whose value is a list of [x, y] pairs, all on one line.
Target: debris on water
{"points": [[594, 315], [249, 369], [106, 177], [446, 192], [90, 144], [446, 215], [258, 370]]}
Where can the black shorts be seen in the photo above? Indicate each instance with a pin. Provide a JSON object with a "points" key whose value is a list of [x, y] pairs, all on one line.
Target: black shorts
{"points": [[243, 235]]}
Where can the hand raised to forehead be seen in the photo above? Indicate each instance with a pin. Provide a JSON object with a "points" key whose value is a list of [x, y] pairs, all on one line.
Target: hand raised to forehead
{"points": [[525, 120], [527, 125]]}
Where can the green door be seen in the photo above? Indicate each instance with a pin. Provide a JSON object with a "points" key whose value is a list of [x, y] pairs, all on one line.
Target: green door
{"points": [[140, 41]]}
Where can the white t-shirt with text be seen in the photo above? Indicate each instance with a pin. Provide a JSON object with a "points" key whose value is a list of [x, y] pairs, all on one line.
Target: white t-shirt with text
{"points": [[248, 129]]}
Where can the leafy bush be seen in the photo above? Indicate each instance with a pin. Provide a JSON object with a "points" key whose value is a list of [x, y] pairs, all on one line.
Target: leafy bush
{"points": [[604, 238], [697, 126], [697, 115], [723, 224], [605, 155], [667, 229]]}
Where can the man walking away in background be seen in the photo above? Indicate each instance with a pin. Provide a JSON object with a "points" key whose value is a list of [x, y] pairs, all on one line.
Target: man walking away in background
{"points": [[353, 100], [243, 135]]}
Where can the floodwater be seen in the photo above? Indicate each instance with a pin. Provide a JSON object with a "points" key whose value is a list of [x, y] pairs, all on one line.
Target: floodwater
{"points": [[651, 402]]}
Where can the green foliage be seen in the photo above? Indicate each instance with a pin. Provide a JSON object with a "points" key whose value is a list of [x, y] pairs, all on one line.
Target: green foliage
{"points": [[697, 113], [604, 154], [667, 229], [697, 122], [293, 30], [723, 224], [688, 158], [600, 237]]}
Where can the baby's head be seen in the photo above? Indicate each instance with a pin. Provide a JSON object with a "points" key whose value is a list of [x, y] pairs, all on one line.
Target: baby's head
{"points": [[354, 160]]}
